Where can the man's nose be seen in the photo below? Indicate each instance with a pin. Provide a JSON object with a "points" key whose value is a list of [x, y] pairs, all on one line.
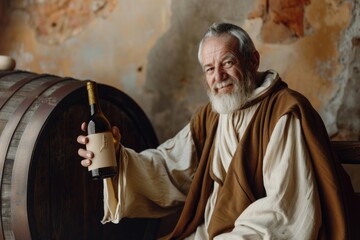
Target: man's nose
{"points": [[220, 75]]}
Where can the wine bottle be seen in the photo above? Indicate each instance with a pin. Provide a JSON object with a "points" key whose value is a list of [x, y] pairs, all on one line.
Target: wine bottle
{"points": [[100, 138]]}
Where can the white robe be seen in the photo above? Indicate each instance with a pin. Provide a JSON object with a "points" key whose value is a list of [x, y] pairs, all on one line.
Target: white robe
{"points": [[152, 183]]}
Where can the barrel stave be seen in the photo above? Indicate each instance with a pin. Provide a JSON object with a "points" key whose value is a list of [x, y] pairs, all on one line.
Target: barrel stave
{"points": [[56, 199]]}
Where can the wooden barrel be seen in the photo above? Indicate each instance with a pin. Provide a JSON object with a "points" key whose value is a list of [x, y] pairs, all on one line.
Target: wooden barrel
{"points": [[45, 192]]}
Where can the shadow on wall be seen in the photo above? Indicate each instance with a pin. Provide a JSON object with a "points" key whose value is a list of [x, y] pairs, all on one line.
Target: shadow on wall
{"points": [[349, 108], [175, 80], [4, 10]]}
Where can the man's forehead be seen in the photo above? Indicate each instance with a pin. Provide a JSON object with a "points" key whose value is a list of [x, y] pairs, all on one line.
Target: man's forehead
{"points": [[218, 45]]}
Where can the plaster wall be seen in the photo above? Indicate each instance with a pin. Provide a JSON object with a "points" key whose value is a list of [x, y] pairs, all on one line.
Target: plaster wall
{"points": [[149, 49]]}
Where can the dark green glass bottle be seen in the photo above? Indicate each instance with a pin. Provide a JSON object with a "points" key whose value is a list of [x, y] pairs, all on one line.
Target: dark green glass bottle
{"points": [[100, 138]]}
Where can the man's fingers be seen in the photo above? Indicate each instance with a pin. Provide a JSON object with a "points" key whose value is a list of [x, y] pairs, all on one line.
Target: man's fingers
{"points": [[86, 162], [82, 139], [116, 133], [85, 154], [84, 126]]}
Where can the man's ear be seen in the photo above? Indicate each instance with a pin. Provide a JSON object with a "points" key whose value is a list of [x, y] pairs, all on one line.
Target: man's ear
{"points": [[255, 61]]}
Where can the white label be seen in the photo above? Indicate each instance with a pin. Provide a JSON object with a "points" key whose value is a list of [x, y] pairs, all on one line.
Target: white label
{"points": [[102, 145]]}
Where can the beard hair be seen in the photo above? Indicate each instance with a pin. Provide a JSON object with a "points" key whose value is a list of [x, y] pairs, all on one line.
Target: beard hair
{"points": [[229, 102]]}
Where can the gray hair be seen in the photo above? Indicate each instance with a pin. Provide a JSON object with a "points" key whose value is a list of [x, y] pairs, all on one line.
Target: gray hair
{"points": [[246, 45]]}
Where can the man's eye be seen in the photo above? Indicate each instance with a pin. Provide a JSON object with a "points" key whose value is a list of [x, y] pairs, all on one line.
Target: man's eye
{"points": [[209, 70], [228, 64]]}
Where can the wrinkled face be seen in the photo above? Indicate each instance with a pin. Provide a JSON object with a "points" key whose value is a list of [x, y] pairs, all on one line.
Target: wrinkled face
{"points": [[229, 82], [220, 61]]}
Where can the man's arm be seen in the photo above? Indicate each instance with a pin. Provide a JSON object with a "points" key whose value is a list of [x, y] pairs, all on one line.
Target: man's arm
{"points": [[152, 183]]}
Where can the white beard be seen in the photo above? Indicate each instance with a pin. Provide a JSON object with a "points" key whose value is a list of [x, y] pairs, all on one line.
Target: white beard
{"points": [[230, 102]]}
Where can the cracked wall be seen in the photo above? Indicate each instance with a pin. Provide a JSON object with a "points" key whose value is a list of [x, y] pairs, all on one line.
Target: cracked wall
{"points": [[149, 50], [54, 21]]}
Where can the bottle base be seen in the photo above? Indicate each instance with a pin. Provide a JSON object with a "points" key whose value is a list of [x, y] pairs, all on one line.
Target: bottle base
{"points": [[101, 173]]}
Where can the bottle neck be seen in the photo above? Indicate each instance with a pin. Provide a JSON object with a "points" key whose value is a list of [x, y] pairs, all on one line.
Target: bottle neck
{"points": [[93, 98], [94, 108]]}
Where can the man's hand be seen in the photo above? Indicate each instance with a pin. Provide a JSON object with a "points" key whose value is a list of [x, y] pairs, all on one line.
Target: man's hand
{"points": [[88, 155]]}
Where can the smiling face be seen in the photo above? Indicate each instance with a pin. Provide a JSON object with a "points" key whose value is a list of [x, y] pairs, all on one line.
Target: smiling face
{"points": [[220, 62], [230, 83]]}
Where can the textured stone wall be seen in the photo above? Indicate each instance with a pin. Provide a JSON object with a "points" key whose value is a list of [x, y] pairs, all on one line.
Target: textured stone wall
{"points": [[148, 49]]}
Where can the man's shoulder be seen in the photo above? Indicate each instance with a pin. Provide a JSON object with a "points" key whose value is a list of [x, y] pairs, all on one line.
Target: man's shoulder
{"points": [[287, 100], [289, 97]]}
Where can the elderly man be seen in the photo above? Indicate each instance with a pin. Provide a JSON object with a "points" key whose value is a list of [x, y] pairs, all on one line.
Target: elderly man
{"points": [[254, 163]]}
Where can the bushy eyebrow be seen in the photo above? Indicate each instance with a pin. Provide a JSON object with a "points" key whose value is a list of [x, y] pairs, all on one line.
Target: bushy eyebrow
{"points": [[226, 56], [207, 65]]}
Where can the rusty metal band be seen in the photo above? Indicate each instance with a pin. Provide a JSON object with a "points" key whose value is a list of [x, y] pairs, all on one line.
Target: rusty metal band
{"points": [[6, 72], [10, 127], [4, 98], [21, 168]]}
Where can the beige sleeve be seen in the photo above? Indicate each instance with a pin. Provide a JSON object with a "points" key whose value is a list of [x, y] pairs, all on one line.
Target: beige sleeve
{"points": [[152, 183]]}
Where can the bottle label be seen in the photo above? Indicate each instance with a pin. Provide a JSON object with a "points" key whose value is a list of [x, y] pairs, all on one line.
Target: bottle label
{"points": [[102, 145]]}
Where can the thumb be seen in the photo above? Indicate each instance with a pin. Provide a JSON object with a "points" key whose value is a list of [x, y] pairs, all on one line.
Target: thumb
{"points": [[117, 136]]}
